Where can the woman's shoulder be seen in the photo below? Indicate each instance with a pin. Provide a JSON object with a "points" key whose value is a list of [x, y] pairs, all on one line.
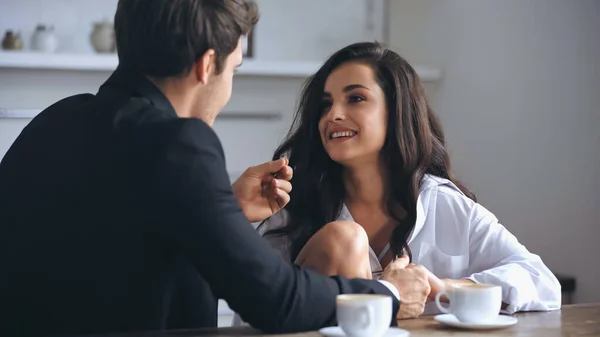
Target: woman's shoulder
{"points": [[443, 187], [443, 196]]}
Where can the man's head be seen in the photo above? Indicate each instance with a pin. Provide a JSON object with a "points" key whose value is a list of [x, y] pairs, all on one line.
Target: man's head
{"points": [[189, 48]]}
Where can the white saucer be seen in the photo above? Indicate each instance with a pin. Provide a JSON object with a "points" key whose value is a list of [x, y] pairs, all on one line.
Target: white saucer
{"points": [[336, 331], [501, 322]]}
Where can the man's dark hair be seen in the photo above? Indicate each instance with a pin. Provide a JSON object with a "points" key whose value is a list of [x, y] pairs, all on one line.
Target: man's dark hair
{"points": [[163, 38]]}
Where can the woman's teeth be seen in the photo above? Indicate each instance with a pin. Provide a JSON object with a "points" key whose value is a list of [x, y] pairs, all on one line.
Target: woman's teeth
{"points": [[342, 134]]}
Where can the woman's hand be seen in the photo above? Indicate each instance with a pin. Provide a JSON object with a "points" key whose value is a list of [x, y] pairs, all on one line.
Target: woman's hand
{"points": [[435, 283], [438, 285]]}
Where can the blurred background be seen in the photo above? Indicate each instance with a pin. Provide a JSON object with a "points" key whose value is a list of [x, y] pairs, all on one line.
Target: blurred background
{"points": [[516, 83]]}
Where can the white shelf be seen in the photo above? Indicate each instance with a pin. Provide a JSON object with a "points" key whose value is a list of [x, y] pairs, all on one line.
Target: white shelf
{"points": [[108, 63], [33, 60]]}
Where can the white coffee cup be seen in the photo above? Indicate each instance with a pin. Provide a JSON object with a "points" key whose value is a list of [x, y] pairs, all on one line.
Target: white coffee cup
{"points": [[364, 315], [472, 303]]}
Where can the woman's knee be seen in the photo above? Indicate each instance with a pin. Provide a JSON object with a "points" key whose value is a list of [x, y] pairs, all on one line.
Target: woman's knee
{"points": [[345, 236], [341, 240], [339, 248]]}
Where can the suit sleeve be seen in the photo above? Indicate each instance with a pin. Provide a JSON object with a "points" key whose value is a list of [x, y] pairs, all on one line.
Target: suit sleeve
{"points": [[268, 292]]}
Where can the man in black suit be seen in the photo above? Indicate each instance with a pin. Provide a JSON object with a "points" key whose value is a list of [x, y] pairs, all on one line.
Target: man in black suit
{"points": [[116, 210]]}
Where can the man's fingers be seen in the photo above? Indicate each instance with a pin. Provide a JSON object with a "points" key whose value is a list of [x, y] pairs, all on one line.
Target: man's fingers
{"points": [[285, 173], [284, 185], [266, 168], [282, 198], [278, 199], [268, 185], [278, 168], [273, 166], [401, 262]]}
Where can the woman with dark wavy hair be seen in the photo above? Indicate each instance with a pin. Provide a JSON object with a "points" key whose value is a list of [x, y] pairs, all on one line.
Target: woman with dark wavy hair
{"points": [[373, 181]]}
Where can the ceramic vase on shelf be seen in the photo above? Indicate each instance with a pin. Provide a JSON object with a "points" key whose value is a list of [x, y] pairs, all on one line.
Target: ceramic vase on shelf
{"points": [[44, 40], [12, 41], [103, 37]]}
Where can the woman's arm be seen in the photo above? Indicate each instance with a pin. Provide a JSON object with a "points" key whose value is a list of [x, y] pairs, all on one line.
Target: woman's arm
{"points": [[497, 257]]}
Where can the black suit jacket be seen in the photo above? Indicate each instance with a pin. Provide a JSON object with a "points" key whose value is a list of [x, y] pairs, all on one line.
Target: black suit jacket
{"points": [[116, 215]]}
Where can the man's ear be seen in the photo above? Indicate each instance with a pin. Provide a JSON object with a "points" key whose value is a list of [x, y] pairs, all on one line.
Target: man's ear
{"points": [[206, 66]]}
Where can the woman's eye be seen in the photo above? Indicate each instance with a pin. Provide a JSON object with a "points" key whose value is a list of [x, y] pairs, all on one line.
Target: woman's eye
{"points": [[355, 99], [326, 105]]}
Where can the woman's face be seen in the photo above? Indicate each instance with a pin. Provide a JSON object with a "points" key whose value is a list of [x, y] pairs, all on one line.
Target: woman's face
{"points": [[354, 118]]}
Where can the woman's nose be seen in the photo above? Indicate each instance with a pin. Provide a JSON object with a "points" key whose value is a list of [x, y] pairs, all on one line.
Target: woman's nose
{"points": [[336, 113]]}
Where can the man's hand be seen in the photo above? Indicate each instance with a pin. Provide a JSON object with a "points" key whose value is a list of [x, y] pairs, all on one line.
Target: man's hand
{"points": [[263, 190], [412, 282], [436, 284]]}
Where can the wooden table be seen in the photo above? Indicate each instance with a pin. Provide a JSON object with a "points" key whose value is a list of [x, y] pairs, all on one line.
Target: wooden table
{"points": [[571, 320]]}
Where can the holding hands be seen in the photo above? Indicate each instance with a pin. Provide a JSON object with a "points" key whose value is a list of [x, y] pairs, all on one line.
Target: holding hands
{"points": [[416, 286], [413, 286]]}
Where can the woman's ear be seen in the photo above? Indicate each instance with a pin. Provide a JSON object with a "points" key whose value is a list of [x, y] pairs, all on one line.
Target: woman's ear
{"points": [[206, 66]]}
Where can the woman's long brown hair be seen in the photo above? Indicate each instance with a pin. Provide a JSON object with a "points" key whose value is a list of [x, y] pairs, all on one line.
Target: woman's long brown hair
{"points": [[414, 146]]}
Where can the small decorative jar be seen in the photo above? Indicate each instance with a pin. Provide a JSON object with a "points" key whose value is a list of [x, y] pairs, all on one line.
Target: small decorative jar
{"points": [[103, 37], [12, 41], [44, 39]]}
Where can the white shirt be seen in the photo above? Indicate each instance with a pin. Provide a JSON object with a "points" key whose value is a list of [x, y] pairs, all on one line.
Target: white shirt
{"points": [[455, 237]]}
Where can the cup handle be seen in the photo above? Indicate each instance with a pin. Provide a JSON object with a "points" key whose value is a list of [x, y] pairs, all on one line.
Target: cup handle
{"points": [[443, 309], [367, 318]]}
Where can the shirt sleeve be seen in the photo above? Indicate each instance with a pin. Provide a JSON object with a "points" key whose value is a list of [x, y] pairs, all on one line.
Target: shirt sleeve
{"points": [[497, 257]]}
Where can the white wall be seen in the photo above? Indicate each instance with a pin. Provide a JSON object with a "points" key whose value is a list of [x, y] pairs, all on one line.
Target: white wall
{"points": [[520, 101]]}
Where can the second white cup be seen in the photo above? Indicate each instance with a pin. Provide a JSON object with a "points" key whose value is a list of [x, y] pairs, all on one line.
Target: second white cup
{"points": [[472, 303]]}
